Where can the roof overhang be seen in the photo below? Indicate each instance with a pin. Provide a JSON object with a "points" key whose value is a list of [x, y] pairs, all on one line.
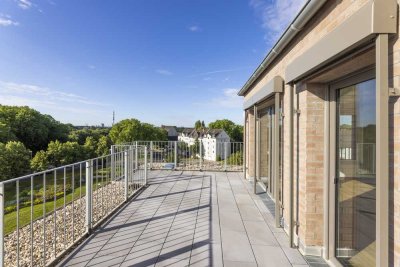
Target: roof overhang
{"points": [[275, 85], [305, 14], [375, 17]]}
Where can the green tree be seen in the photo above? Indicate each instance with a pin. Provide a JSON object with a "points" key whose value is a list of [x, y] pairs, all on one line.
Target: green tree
{"points": [[32, 128], [197, 125], [14, 160], [103, 146], [59, 154], [6, 134], [80, 135], [40, 161], [90, 147], [234, 131], [130, 130], [125, 131]]}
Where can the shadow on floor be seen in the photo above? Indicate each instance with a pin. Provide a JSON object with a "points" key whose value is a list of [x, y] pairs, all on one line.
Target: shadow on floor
{"points": [[169, 223]]}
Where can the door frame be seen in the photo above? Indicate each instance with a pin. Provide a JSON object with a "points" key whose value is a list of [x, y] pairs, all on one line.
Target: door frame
{"points": [[352, 79], [267, 105]]}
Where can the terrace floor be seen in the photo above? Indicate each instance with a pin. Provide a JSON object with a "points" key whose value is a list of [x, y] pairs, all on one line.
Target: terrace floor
{"points": [[191, 218]]}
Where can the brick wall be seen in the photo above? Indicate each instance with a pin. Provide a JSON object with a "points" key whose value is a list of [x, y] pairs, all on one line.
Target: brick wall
{"points": [[309, 143], [250, 159]]}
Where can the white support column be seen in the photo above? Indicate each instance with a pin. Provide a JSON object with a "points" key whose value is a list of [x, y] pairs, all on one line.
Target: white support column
{"points": [[126, 174], [89, 195]]}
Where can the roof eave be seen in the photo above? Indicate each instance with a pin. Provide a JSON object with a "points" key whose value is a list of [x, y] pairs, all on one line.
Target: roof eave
{"points": [[305, 14]]}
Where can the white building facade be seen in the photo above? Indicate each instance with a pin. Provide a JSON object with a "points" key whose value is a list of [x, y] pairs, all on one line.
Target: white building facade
{"points": [[215, 143]]}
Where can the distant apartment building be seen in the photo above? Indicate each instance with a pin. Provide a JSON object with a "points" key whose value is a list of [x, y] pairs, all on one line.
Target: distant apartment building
{"points": [[214, 142]]}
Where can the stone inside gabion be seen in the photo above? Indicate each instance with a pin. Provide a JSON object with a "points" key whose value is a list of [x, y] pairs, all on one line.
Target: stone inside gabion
{"points": [[105, 199]]}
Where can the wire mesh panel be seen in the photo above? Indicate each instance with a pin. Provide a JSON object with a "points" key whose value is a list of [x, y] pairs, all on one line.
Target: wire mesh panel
{"points": [[45, 213], [202, 154]]}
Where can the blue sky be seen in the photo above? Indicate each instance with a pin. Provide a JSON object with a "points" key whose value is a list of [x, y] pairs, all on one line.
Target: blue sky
{"points": [[164, 62]]}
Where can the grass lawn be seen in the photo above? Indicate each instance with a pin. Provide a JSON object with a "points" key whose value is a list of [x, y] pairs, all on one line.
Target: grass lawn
{"points": [[10, 219]]}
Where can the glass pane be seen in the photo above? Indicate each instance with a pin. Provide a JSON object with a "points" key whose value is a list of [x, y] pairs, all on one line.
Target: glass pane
{"points": [[266, 131], [355, 190]]}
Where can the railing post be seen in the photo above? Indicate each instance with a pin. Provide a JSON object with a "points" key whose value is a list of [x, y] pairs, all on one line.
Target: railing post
{"points": [[112, 163], [126, 174], [201, 154], [151, 155], [225, 154], [136, 155], [2, 254], [89, 195], [145, 165], [175, 155]]}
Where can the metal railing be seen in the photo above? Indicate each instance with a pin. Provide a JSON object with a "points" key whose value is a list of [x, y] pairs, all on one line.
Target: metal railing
{"points": [[44, 214], [205, 154]]}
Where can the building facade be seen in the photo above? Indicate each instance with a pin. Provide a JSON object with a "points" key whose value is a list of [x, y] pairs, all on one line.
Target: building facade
{"points": [[214, 142], [322, 131], [171, 132]]}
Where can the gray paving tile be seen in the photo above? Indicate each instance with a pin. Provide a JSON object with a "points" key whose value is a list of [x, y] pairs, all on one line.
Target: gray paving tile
{"points": [[294, 256], [206, 255], [231, 220], [106, 260], [201, 219], [136, 260], [239, 264], [236, 246], [250, 213], [259, 233], [172, 262], [243, 199], [270, 256]]}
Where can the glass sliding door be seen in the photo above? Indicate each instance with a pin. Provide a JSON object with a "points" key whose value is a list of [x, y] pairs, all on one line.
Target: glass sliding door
{"points": [[266, 135], [355, 181]]}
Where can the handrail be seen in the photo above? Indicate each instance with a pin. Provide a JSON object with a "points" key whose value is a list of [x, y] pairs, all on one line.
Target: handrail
{"points": [[201, 155], [65, 204]]}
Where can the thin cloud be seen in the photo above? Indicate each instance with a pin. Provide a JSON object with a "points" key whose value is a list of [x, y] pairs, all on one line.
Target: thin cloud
{"points": [[35, 103], [6, 21], [24, 4], [276, 15], [228, 99], [16, 94], [194, 28], [92, 67], [164, 72], [217, 71]]}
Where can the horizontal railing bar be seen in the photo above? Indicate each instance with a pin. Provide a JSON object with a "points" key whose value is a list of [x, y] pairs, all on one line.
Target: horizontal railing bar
{"points": [[59, 168]]}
